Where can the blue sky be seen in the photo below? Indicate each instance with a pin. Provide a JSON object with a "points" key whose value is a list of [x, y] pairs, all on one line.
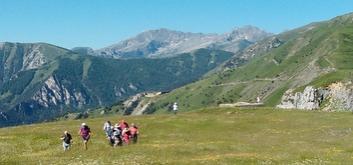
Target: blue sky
{"points": [[99, 23]]}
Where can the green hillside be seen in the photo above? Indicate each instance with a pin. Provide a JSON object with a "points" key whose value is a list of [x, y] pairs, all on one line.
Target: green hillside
{"points": [[42, 81], [317, 54], [209, 136]]}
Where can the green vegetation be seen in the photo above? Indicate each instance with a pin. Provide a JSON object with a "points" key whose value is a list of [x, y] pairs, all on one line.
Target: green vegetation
{"points": [[209, 136], [344, 56], [275, 97], [323, 63], [317, 54], [88, 81], [332, 77]]}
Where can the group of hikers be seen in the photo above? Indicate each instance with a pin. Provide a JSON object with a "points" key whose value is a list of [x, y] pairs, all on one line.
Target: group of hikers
{"points": [[121, 133], [118, 135]]}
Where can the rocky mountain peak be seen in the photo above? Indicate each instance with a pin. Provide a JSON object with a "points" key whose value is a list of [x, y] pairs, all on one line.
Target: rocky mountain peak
{"points": [[250, 33], [164, 42]]}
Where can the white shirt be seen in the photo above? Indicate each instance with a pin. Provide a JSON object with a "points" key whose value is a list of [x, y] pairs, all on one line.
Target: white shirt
{"points": [[106, 126], [175, 107]]}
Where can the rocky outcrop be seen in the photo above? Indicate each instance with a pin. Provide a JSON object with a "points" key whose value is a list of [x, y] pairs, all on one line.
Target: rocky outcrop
{"points": [[262, 47], [53, 93], [336, 97], [257, 49], [249, 33], [17, 57], [309, 99], [139, 103], [33, 58], [3, 116], [339, 97]]}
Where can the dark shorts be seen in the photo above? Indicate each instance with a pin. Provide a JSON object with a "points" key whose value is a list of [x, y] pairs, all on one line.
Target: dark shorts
{"points": [[85, 137]]}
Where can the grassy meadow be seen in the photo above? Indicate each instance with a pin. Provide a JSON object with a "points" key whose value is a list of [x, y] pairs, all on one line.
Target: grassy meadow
{"points": [[208, 136]]}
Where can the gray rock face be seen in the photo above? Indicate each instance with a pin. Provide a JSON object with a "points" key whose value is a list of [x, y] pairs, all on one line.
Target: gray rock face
{"points": [[154, 43], [263, 47], [138, 104], [33, 58], [309, 99], [335, 97], [257, 49], [249, 33], [17, 57], [339, 97], [164, 42], [53, 93]]}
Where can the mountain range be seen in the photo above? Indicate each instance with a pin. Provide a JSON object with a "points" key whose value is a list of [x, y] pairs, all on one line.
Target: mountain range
{"points": [[306, 68], [165, 43], [40, 81]]}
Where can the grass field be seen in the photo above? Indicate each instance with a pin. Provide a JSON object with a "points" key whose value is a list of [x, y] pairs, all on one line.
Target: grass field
{"points": [[209, 136]]}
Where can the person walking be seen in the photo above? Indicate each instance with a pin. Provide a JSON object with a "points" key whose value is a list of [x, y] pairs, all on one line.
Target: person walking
{"points": [[126, 135], [134, 133], [123, 124], [85, 133], [66, 138], [258, 100], [108, 129], [116, 139], [175, 108]]}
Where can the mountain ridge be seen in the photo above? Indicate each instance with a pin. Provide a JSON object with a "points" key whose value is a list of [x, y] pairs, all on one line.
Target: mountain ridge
{"points": [[41, 81], [165, 42], [317, 54]]}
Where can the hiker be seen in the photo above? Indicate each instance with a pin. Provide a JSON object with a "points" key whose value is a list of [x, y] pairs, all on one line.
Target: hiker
{"points": [[123, 124], [108, 129], [134, 133], [258, 99], [85, 133], [116, 138], [66, 138], [126, 135], [175, 108]]}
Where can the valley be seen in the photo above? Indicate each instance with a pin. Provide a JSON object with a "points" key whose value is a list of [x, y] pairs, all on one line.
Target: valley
{"points": [[196, 82]]}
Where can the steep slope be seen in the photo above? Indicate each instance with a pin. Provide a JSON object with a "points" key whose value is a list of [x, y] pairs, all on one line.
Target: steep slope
{"points": [[317, 54], [41, 81], [164, 42]]}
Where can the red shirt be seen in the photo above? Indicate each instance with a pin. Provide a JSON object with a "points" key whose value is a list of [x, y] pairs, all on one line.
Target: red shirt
{"points": [[123, 125], [133, 130]]}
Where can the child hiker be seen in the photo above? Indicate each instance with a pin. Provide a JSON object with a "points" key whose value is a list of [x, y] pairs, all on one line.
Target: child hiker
{"points": [[66, 138]]}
